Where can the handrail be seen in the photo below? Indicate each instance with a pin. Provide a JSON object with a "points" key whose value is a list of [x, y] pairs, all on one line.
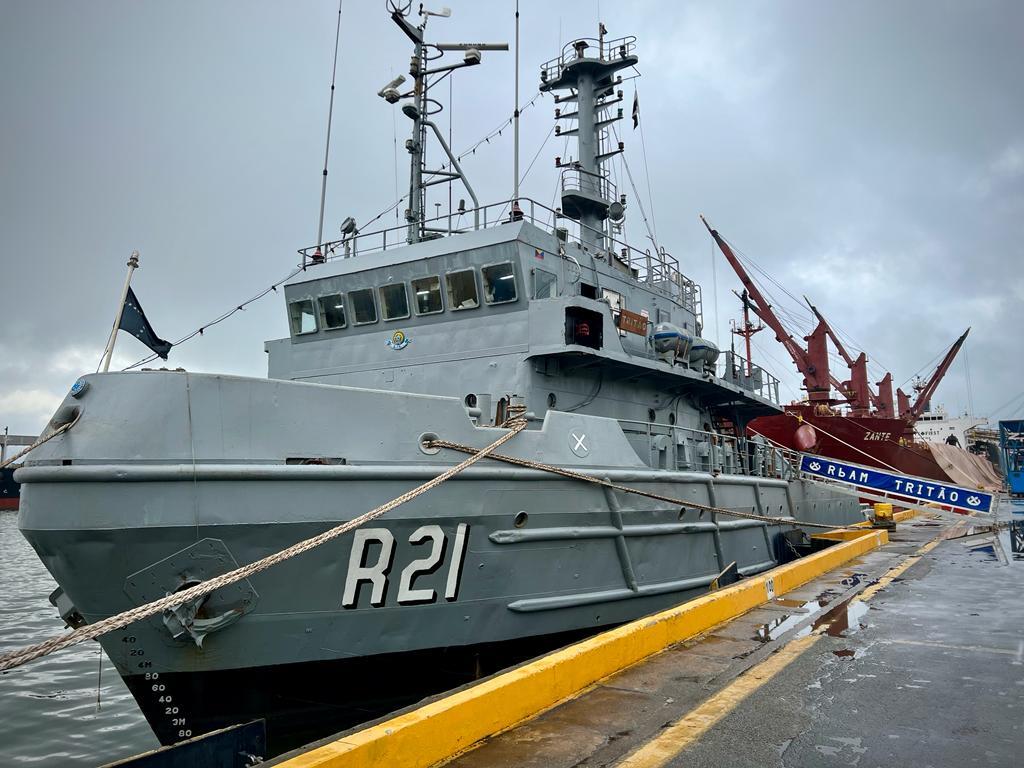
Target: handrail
{"points": [[606, 50], [660, 268], [771, 460], [580, 179], [734, 368]]}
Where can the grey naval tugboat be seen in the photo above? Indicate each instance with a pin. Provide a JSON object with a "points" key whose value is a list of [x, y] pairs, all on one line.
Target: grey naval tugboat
{"points": [[438, 329]]}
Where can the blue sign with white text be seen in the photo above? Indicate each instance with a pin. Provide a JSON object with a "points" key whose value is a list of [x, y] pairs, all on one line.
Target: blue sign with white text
{"points": [[905, 485]]}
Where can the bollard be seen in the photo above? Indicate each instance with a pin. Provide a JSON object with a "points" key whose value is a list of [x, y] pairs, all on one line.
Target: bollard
{"points": [[883, 516]]}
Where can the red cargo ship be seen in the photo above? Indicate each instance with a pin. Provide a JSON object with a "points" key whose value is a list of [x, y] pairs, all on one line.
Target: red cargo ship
{"points": [[861, 425]]}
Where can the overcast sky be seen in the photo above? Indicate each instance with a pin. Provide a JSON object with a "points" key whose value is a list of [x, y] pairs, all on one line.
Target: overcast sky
{"points": [[868, 154]]}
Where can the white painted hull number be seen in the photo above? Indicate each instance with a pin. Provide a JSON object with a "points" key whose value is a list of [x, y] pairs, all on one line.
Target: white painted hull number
{"points": [[377, 574]]}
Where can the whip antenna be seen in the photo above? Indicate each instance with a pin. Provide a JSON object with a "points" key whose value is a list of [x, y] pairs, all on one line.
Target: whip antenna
{"points": [[318, 254], [515, 114]]}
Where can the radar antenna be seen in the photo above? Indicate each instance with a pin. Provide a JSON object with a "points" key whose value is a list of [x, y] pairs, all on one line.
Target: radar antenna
{"points": [[419, 107]]}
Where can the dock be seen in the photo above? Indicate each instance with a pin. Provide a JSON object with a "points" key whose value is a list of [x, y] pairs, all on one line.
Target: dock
{"points": [[898, 648]]}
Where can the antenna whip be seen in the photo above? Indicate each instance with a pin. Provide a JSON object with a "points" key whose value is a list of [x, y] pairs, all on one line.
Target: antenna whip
{"points": [[327, 148], [515, 114]]}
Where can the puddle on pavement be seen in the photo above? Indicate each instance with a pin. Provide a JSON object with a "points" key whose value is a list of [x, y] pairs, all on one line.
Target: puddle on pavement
{"points": [[844, 619], [804, 609], [789, 602], [840, 620]]}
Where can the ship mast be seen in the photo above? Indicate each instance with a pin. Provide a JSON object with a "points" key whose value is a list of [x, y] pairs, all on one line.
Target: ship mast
{"points": [[748, 329], [587, 69], [420, 108]]}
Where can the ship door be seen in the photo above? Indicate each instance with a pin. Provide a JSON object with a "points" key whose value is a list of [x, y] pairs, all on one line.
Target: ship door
{"points": [[584, 327]]}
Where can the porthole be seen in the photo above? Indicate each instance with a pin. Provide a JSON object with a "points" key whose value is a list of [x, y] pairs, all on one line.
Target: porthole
{"points": [[471, 400], [520, 519], [552, 400], [651, 415], [672, 418]]}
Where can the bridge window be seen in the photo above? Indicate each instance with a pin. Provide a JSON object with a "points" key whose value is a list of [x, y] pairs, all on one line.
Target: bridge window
{"points": [[394, 301], [499, 283], [545, 284], [427, 295], [332, 311], [462, 289], [300, 314], [364, 309]]}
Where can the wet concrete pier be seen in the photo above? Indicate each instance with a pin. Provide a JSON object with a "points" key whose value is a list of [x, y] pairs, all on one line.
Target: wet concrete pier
{"points": [[911, 655]]}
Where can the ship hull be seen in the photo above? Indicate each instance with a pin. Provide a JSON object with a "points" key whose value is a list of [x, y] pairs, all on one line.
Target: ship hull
{"points": [[9, 490], [870, 440], [306, 701], [176, 478]]}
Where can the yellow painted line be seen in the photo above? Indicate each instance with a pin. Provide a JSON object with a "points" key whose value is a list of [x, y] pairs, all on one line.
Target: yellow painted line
{"points": [[681, 734], [689, 729], [443, 728], [894, 573]]}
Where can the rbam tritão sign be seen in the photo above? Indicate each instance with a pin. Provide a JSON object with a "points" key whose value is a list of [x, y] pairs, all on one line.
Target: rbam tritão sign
{"points": [[904, 485]]}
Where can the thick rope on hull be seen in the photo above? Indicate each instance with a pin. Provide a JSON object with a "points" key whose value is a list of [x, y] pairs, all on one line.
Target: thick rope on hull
{"points": [[120, 621]]}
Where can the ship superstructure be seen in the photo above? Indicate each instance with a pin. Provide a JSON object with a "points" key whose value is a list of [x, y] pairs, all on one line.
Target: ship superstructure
{"points": [[398, 338]]}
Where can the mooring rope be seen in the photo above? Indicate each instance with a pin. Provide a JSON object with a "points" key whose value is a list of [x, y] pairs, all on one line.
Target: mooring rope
{"points": [[47, 438], [122, 620], [530, 464]]}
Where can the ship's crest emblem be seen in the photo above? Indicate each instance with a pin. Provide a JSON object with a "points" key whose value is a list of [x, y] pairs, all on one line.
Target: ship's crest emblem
{"points": [[973, 501], [814, 466], [398, 340]]}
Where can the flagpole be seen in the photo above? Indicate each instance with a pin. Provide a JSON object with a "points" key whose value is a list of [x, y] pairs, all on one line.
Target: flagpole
{"points": [[108, 353]]}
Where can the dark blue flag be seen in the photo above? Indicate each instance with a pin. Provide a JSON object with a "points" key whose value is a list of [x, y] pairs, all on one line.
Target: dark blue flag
{"points": [[133, 320]]}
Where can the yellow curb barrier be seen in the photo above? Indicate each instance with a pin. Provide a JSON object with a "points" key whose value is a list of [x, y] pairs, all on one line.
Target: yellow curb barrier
{"points": [[845, 535], [441, 729]]}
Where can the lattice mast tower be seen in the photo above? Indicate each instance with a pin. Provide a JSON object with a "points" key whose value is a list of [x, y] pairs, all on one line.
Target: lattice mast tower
{"points": [[587, 69]]}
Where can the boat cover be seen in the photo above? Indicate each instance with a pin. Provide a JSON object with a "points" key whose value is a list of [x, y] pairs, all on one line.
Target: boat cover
{"points": [[966, 469]]}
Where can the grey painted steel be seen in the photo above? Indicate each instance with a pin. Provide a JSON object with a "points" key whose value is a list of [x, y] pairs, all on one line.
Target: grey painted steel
{"points": [[161, 460]]}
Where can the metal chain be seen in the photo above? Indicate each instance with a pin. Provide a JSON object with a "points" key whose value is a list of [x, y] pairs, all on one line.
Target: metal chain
{"points": [[122, 620], [627, 489], [59, 431]]}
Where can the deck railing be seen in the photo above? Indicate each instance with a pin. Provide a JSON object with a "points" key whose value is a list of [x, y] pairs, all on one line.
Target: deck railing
{"points": [[580, 47], [655, 267], [681, 448]]}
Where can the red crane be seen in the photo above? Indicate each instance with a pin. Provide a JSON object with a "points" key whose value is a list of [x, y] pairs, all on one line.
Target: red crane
{"points": [[812, 363], [857, 389], [913, 412]]}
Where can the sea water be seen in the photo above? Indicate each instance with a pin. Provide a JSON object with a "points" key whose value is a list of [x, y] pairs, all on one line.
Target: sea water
{"points": [[69, 708]]}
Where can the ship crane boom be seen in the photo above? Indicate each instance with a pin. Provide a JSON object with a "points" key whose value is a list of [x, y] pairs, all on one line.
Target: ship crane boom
{"points": [[913, 413], [857, 390], [812, 363]]}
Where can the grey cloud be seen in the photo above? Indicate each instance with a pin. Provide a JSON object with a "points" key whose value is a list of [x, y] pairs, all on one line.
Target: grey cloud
{"points": [[868, 152]]}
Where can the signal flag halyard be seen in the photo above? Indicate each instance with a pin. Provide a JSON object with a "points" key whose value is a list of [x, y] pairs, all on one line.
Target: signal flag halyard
{"points": [[133, 320]]}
